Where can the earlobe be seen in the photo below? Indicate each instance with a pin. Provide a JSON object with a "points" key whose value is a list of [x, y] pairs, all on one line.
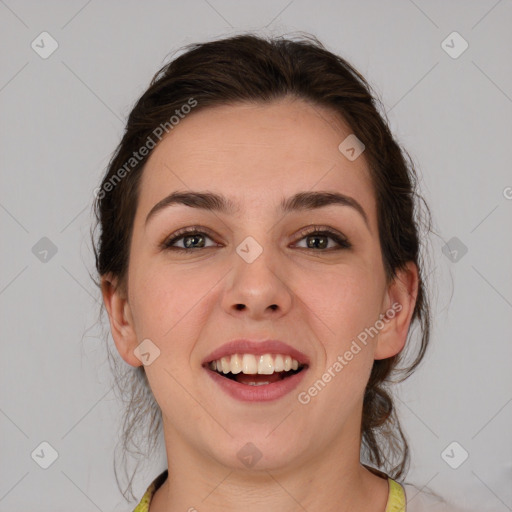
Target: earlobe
{"points": [[120, 318], [400, 304]]}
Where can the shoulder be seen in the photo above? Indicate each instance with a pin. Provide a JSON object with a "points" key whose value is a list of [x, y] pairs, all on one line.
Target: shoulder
{"points": [[143, 505], [425, 500]]}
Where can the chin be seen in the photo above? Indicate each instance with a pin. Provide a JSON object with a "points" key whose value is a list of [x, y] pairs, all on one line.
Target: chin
{"points": [[257, 451]]}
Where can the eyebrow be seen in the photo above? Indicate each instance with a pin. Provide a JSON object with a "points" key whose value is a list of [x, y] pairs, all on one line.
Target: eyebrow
{"points": [[302, 201]]}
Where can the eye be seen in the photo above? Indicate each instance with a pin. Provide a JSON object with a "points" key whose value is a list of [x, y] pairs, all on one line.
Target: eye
{"points": [[192, 238], [317, 237]]}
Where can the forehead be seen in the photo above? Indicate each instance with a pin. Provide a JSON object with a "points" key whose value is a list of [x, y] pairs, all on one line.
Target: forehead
{"points": [[256, 154]]}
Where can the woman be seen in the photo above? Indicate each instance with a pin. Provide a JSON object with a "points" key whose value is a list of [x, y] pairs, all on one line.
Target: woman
{"points": [[260, 265]]}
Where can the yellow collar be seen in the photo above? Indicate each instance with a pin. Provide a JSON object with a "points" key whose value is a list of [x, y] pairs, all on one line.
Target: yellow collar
{"points": [[396, 497]]}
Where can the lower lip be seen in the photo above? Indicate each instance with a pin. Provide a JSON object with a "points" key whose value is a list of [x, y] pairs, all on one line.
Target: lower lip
{"points": [[262, 393]]}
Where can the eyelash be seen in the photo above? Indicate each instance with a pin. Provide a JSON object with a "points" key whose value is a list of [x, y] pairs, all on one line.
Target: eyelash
{"points": [[312, 230]]}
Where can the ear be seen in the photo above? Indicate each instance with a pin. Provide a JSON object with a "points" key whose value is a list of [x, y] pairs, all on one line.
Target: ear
{"points": [[399, 305], [121, 320]]}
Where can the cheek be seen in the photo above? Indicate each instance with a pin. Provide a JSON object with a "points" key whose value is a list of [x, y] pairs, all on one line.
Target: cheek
{"points": [[166, 299], [169, 306], [344, 303], [346, 300]]}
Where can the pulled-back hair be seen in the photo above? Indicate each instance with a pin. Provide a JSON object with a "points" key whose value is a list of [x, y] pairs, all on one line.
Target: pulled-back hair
{"points": [[250, 68]]}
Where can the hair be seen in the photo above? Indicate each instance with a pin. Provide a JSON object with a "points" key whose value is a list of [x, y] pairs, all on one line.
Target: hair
{"points": [[250, 68]]}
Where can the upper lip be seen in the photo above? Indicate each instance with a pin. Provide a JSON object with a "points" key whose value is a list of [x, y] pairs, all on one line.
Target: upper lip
{"points": [[258, 348]]}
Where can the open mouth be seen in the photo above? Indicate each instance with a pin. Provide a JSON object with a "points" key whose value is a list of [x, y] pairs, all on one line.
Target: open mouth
{"points": [[256, 370]]}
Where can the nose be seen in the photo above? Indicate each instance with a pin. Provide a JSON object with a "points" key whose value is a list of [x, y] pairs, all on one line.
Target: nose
{"points": [[257, 289]]}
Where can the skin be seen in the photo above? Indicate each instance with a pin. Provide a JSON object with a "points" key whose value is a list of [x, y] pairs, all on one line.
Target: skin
{"points": [[186, 304]]}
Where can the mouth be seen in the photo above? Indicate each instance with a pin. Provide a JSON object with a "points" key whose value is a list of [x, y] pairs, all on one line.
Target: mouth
{"points": [[256, 370]]}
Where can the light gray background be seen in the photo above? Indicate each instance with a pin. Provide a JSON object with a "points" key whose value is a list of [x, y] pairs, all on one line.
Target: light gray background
{"points": [[61, 118]]}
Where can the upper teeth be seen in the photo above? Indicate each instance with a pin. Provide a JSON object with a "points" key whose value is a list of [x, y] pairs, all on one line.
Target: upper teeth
{"points": [[265, 364]]}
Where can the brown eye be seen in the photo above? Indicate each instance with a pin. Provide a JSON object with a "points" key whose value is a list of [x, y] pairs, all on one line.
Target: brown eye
{"points": [[318, 239], [188, 239]]}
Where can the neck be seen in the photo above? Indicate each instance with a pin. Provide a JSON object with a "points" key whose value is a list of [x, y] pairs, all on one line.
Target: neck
{"points": [[332, 480]]}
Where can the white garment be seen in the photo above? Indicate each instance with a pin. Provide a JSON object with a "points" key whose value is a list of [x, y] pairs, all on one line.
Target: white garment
{"points": [[422, 500]]}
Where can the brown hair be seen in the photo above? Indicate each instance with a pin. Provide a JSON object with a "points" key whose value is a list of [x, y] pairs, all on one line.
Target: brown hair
{"points": [[250, 68]]}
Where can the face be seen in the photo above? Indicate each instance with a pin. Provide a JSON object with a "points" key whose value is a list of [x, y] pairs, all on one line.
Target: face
{"points": [[310, 276]]}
